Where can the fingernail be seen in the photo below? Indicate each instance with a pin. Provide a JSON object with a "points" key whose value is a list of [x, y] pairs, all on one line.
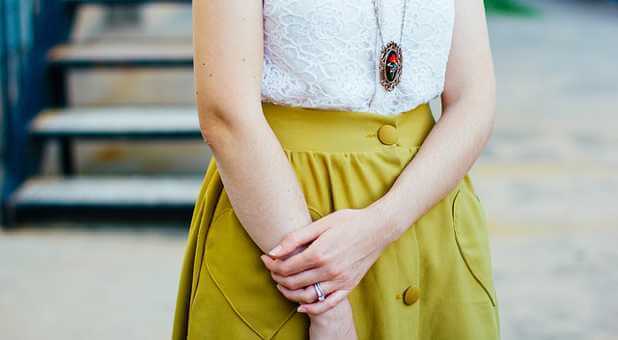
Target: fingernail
{"points": [[301, 309], [275, 251]]}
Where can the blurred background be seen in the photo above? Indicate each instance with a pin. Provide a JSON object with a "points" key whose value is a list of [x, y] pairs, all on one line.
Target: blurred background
{"points": [[102, 160]]}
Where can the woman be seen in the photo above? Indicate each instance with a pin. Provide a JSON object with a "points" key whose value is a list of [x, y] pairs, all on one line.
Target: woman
{"points": [[335, 207]]}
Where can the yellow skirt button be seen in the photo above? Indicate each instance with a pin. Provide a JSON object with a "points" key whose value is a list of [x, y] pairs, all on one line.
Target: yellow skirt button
{"points": [[411, 295], [387, 134]]}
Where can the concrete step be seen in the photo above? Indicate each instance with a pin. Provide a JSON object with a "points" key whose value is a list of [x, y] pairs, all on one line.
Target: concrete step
{"points": [[118, 122], [142, 54], [108, 192]]}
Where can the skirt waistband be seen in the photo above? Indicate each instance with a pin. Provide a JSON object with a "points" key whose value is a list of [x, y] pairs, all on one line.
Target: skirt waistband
{"points": [[309, 129]]}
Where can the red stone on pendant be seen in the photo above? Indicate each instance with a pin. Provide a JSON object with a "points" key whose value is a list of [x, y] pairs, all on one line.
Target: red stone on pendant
{"points": [[393, 58]]}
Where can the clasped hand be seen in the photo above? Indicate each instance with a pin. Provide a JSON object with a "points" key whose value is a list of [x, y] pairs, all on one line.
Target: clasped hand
{"points": [[337, 250]]}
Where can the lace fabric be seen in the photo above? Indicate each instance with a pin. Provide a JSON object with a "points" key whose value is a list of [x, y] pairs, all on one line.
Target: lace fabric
{"points": [[323, 53]]}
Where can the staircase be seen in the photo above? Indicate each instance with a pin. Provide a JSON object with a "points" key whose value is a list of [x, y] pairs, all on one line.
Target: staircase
{"points": [[72, 194]]}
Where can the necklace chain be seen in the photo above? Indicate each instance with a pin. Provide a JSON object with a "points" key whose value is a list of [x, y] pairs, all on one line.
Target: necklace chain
{"points": [[385, 46], [379, 24]]}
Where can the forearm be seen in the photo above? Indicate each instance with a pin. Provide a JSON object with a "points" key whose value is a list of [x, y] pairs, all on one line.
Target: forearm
{"points": [[259, 180], [445, 156], [256, 174]]}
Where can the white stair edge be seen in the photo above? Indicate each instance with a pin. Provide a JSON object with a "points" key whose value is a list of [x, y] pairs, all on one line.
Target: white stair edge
{"points": [[122, 51], [117, 120], [109, 190]]}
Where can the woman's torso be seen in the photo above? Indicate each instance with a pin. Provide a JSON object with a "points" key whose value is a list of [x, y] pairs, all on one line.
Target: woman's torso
{"points": [[323, 53]]}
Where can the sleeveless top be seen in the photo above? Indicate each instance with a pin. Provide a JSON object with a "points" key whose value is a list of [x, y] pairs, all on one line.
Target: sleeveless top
{"points": [[324, 53]]}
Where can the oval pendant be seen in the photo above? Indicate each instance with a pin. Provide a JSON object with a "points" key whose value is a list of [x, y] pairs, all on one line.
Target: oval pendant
{"points": [[390, 66]]}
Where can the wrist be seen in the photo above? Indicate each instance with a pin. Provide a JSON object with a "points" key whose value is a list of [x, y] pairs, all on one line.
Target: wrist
{"points": [[390, 222]]}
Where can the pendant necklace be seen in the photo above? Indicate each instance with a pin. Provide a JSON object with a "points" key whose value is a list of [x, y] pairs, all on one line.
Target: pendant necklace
{"points": [[391, 58]]}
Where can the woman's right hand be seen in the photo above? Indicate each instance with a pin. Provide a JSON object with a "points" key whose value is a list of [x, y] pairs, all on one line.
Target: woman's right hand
{"points": [[334, 256], [308, 296]]}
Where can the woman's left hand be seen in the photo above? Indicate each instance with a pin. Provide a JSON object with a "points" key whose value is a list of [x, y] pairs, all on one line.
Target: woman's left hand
{"points": [[343, 246]]}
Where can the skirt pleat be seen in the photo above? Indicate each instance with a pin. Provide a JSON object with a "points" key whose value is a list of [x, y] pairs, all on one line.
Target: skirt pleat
{"points": [[435, 282]]}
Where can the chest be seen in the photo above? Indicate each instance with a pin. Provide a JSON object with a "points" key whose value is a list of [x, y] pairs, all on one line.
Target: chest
{"points": [[357, 19]]}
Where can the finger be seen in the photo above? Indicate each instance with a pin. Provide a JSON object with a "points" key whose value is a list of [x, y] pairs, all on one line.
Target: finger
{"points": [[276, 266], [320, 307], [305, 260], [297, 263], [297, 238], [269, 263], [306, 295], [303, 295], [301, 279]]}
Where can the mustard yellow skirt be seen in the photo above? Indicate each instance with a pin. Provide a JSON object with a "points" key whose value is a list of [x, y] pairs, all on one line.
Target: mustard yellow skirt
{"points": [[434, 283]]}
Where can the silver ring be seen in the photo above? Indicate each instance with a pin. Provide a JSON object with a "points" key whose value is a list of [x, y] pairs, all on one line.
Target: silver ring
{"points": [[319, 291]]}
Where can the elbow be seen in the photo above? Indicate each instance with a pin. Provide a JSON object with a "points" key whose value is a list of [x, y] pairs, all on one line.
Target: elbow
{"points": [[215, 128], [491, 92], [208, 137], [487, 116], [223, 127], [476, 99], [491, 102], [486, 113], [482, 91], [482, 96]]}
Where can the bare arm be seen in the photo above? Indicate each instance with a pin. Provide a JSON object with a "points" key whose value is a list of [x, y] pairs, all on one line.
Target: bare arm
{"points": [[339, 258], [257, 176], [463, 129]]}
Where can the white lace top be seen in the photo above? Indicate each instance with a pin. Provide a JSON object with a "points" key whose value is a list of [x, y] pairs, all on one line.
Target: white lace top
{"points": [[323, 53]]}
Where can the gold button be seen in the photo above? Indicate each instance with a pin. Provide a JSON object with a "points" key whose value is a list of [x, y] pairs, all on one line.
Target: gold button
{"points": [[387, 134], [411, 295]]}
